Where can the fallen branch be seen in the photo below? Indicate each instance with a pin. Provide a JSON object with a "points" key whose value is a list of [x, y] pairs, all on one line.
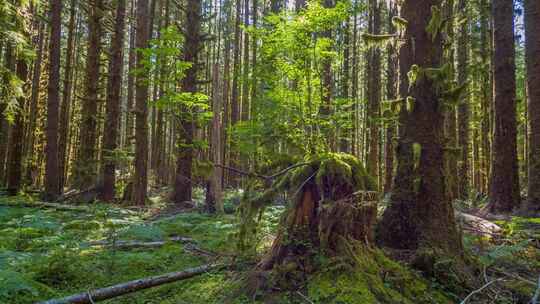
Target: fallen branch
{"points": [[132, 286], [257, 175], [48, 205], [536, 294], [125, 245], [479, 290]]}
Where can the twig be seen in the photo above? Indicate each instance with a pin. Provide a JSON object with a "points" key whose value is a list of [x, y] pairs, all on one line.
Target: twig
{"points": [[536, 294], [479, 290], [265, 177], [304, 297]]}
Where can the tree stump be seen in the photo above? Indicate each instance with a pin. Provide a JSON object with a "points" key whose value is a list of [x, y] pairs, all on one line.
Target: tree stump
{"points": [[334, 203]]}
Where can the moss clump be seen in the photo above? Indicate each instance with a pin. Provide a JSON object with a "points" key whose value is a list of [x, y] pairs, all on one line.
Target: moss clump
{"points": [[371, 278]]}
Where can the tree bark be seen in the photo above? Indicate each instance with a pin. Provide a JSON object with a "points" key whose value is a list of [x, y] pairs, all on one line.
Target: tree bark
{"points": [[463, 108], [130, 81], [532, 26], [391, 94], [112, 119], [420, 213], [85, 168], [140, 181], [183, 181], [65, 121], [9, 63], [14, 163], [374, 91], [52, 187], [504, 188]]}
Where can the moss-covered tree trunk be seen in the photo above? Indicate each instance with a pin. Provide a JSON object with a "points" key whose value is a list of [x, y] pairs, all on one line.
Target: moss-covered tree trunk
{"points": [[420, 213]]}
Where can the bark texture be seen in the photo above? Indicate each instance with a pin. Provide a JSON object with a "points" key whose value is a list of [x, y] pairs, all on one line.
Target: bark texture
{"points": [[420, 213], [52, 180], [504, 188], [112, 118], [532, 32]]}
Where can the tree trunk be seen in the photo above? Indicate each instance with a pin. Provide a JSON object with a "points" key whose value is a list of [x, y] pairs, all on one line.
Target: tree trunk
{"points": [[420, 214], [183, 181], [130, 81], [214, 200], [463, 108], [140, 181], [374, 91], [52, 188], [504, 188], [65, 121], [391, 94], [532, 26], [85, 168], [9, 63], [14, 163], [112, 119], [487, 94]]}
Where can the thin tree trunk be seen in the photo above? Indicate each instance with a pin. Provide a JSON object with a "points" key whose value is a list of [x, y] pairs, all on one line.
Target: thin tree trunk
{"points": [[140, 183], [532, 26], [112, 120], [85, 170], [374, 92], [504, 188], [130, 81], [52, 188], [463, 108], [66, 98], [14, 163]]}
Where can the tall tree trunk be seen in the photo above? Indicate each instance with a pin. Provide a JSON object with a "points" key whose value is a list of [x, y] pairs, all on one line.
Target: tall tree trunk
{"points": [[66, 98], [246, 68], [487, 94], [327, 88], [504, 188], [30, 137], [85, 170], [345, 133], [214, 199], [9, 63], [112, 119], [140, 183], [52, 188], [374, 92], [463, 108], [183, 182], [391, 94], [532, 26], [420, 214], [14, 164], [130, 80]]}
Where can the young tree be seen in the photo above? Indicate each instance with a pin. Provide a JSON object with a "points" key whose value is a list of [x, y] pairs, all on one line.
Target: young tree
{"points": [[140, 182], [52, 186], [504, 188], [420, 213], [112, 118], [532, 26]]}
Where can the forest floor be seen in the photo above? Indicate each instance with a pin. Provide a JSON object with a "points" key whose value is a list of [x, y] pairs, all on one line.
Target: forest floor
{"points": [[48, 253]]}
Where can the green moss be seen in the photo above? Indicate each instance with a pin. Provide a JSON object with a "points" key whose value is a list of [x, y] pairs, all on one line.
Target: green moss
{"points": [[82, 225], [373, 279]]}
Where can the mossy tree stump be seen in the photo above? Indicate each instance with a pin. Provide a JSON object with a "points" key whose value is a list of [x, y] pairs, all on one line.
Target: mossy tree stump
{"points": [[333, 203]]}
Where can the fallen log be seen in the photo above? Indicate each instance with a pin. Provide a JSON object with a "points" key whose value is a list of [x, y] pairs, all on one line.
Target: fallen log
{"points": [[477, 225], [135, 285], [123, 244], [47, 205]]}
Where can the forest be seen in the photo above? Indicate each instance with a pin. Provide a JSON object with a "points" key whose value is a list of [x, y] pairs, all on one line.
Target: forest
{"points": [[270, 151]]}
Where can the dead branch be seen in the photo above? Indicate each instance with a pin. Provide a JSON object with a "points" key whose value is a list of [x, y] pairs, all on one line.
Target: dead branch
{"points": [[126, 245], [479, 290], [135, 285], [48, 205]]}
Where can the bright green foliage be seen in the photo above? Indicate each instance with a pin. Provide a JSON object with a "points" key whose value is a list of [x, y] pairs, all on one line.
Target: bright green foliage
{"points": [[285, 114]]}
